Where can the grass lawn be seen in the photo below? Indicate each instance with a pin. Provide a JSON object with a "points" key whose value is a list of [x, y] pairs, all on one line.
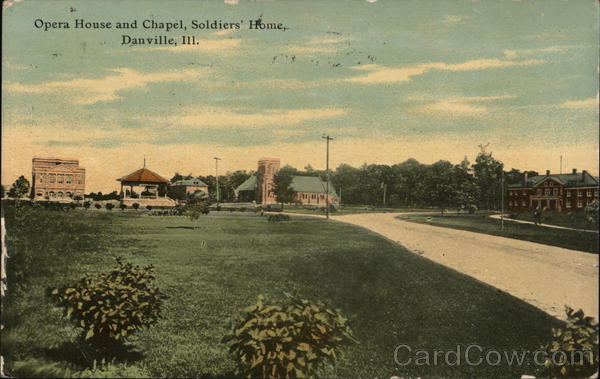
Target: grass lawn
{"points": [[213, 267], [481, 223]]}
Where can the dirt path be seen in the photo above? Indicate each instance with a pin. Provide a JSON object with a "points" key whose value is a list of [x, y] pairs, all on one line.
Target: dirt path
{"points": [[545, 276], [498, 217]]}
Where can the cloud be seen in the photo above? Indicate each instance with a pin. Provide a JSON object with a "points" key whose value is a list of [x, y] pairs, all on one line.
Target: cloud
{"points": [[215, 117], [318, 45], [514, 54], [86, 91], [9, 3], [383, 74], [591, 103], [456, 106], [452, 19]]}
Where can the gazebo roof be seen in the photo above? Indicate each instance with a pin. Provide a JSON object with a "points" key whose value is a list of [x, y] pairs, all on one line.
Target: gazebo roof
{"points": [[143, 175]]}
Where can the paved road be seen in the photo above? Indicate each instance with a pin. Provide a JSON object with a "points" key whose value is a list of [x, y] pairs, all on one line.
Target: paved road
{"points": [[545, 276]]}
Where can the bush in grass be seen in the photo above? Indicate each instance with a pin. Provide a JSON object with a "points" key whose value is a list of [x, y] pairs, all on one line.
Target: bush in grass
{"points": [[98, 205], [109, 307], [123, 206], [87, 204], [149, 207], [109, 206], [135, 206], [293, 339], [574, 348]]}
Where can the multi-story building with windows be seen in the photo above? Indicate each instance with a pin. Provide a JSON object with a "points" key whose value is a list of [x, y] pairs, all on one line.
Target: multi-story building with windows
{"points": [[56, 179], [560, 192]]}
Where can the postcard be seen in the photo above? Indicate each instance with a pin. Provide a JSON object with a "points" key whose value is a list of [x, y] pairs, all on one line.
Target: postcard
{"points": [[299, 189]]}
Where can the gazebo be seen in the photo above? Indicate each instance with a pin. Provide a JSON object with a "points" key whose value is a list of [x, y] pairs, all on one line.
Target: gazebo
{"points": [[145, 188]]}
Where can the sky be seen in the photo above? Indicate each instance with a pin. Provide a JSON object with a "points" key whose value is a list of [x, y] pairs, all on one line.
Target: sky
{"points": [[388, 80]]}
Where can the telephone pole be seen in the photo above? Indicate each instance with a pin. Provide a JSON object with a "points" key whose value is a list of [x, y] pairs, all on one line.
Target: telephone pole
{"points": [[327, 139], [217, 176]]}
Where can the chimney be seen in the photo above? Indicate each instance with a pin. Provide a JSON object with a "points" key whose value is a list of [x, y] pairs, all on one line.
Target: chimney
{"points": [[525, 179], [583, 174], [547, 172], [574, 171]]}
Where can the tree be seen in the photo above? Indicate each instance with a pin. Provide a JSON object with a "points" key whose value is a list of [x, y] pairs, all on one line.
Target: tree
{"points": [[488, 176], [282, 187], [19, 188], [2, 191]]}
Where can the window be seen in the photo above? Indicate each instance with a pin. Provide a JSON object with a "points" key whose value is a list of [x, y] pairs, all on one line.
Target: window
{"points": [[39, 194], [596, 193], [539, 191], [568, 193], [555, 191], [60, 179], [52, 194], [69, 179], [589, 193], [523, 203], [523, 193], [547, 191], [60, 195], [579, 204], [79, 180], [550, 184], [52, 178], [69, 195], [41, 178], [568, 204], [579, 193]]}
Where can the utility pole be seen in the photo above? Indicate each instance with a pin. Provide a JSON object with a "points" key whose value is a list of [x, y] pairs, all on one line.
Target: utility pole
{"points": [[384, 192], [502, 202], [327, 139], [561, 164], [217, 176]]}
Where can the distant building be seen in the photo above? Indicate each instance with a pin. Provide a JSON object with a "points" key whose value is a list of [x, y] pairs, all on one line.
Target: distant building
{"points": [[310, 190], [181, 189], [57, 179], [146, 188], [560, 192]]}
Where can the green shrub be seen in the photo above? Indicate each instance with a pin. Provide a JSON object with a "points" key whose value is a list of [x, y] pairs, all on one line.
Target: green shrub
{"points": [[98, 205], [295, 339], [109, 206], [136, 206], [123, 206], [109, 307], [149, 207], [87, 204], [579, 335]]}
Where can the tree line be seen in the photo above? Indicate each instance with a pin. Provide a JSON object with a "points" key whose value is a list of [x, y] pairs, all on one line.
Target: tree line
{"points": [[406, 184]]}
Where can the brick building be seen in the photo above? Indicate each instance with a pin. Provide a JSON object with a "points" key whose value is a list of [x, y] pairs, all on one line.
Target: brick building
{"points": [[56, 179], [559, 192], [310, 190]]}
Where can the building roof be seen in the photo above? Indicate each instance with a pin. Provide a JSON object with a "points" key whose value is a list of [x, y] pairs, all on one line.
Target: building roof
{"points": [[143, 175], [576, 179], [190, 182], [309, 184], [248, 185]]}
